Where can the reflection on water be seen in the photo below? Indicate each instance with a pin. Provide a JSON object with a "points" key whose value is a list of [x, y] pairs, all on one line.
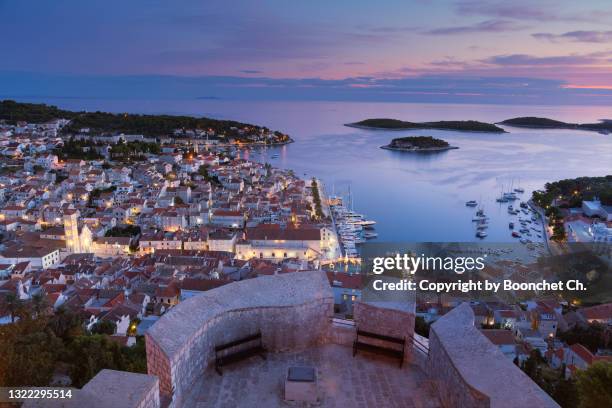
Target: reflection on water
{"points": [[413, 197]]}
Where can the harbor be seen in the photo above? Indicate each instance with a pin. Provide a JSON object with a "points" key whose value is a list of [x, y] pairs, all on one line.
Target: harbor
{"points": [[524, 223], [351, 227]]}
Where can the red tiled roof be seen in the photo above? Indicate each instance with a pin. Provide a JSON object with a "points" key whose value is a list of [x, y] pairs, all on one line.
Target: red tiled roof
{"points": [[499, 336], [262, 232], [599, 312], [347, 280]]}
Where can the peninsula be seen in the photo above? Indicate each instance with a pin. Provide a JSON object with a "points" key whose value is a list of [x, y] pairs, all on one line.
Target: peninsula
{"points": [[151, 126], [458, 125], [418, 144], [533, 122]]}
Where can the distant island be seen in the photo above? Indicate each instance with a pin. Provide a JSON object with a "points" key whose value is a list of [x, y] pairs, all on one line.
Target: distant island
{"points": [[418, 144], [545, 123], [458, 125], [107, 124]]}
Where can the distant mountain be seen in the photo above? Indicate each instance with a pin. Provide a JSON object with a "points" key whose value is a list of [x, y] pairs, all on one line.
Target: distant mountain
{"points": [[545, 123], [458, 125]]}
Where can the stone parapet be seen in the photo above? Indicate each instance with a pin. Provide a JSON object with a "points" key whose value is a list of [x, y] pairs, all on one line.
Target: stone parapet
{"points": [[291, 311], [470, 371]]}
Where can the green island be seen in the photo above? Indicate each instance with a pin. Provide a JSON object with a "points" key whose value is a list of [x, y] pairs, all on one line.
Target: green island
{"points": [[458, 125], [105, 123], [545, 123], [418, 144]]}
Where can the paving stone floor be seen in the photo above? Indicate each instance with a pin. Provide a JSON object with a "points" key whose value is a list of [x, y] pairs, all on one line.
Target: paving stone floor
{"points": [[366, 381]]}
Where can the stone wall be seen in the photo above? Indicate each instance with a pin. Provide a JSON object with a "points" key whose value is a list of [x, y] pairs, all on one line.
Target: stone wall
{"points": [[470, 371], [109, 389], [388, 319], [292, 311]]}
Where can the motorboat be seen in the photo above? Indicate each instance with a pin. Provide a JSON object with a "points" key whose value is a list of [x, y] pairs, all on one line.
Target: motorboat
{"points": [[516, 234], [481, 234], [471, 203], [480, 218], [511, 225]]}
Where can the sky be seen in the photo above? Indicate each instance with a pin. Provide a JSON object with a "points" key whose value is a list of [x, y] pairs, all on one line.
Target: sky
{"points": [[538, 51]]}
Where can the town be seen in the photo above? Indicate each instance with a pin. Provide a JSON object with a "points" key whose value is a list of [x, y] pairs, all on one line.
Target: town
{"points": [[115, 230]]}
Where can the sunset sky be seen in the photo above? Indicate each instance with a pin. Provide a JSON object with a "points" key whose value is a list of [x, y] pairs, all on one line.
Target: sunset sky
{"points": [[465, 50]]}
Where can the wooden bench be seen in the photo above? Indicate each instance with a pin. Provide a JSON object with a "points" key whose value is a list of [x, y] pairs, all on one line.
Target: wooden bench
{"points": [[238, 350], [396, 352]]}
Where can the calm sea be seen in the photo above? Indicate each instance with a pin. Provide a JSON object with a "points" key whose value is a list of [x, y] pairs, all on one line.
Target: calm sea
{"points": [[413, 197]]}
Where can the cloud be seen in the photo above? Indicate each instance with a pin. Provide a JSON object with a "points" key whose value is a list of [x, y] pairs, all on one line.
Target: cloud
{"points": [[589, 36], [489, 26], [530, 60], [525, 10], [250, 71]]}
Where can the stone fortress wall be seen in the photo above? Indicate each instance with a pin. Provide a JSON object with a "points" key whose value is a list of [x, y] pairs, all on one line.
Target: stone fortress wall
{"points": [[470, 371], [291, 311], [295, 311]]}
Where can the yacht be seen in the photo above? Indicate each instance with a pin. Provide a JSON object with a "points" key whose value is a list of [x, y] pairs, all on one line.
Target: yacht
{"points": [[481, 234], [510, 196], [480, 218]]}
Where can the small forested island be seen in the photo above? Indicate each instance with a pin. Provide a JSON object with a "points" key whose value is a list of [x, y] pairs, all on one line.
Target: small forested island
{"points": [[545, 123], [418, 144], [108, 124], [395, 124]]}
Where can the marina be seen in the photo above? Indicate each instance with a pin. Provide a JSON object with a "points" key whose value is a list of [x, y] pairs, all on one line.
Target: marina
{"points": [[351, 227], [530, 230]]}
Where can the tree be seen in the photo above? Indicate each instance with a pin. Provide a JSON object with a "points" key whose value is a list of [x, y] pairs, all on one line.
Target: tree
{"points": [[565, 393], [104, 327], [34, 357], [90, 354], [39, 304], [421, 327], [29, 352], [14, 305], [531, 366], [595, 385], [65, 324]]}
